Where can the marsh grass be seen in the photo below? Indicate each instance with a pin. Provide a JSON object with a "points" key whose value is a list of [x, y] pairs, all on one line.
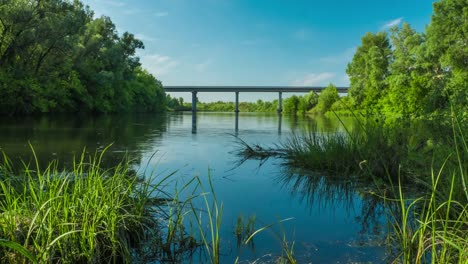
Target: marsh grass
{"points": [[213, 210], [86, 214], [433, 228], [244, 228], [428, 208]]}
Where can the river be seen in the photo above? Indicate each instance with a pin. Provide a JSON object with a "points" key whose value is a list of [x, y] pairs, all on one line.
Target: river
{"points": [[332, 222]]}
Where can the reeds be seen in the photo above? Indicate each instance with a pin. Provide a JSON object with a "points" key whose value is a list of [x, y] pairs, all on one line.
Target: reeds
{"points": [[396, 159], [433, 228], [87, 214]]}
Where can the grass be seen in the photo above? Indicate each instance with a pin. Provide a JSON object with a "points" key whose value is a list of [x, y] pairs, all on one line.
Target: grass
{"points": [[433, 228], [427, 208], [86, 214], [92, 214], [214, 212]]}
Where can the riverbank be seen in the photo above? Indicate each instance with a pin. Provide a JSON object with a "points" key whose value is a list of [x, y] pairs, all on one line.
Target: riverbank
{"points": [[419, 169]]}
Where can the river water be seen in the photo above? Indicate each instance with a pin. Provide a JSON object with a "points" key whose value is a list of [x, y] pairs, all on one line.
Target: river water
{"points": [[331, 221]]}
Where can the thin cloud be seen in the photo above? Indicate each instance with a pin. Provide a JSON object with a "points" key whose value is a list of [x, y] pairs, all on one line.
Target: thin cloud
{"points": [[340, 58], [161, 14], [312, 79], [202, 67], [158, 65], [114, 3], [132, 11], [392, 23]]}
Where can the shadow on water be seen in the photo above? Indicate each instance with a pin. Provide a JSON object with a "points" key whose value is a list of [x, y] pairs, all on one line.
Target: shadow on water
{"points": [[317, 190], [63, 138]]}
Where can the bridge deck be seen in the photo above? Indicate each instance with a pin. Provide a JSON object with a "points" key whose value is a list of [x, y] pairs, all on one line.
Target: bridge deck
{"points": [[284, 89]]}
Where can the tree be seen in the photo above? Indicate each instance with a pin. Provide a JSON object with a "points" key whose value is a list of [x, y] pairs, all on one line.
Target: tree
{"points": [[405, 93], [368, 70], [308, 101], [55, 57], [291, 104], [327, 98], [447, 45]]}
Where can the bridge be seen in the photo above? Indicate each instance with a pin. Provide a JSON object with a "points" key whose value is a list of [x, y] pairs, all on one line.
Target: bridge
{"points": [[246, 89]]}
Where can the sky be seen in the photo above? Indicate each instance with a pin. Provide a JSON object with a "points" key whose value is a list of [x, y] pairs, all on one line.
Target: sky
{"points": [[255, 42]]}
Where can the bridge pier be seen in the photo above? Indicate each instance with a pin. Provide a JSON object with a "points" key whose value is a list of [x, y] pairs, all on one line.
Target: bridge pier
{"points": [[280, 102], [194, 101], [194, 112], [237, 103]]}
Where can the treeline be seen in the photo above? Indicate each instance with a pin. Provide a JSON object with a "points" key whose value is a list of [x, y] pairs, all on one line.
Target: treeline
{"points": [[404, 73], [56, 57], [414, 74], [178, 104]]}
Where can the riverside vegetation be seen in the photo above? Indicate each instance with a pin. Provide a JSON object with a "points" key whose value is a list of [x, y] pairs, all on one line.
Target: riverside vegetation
{"points": [[408, 93], [408, 96]]}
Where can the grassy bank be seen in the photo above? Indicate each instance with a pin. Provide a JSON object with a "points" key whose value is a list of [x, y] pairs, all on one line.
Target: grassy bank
{"points": [[90, 213], [87, 214], [418, 169]]}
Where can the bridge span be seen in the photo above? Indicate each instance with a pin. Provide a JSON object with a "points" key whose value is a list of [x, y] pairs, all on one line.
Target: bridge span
{"points": [[238, 89]]}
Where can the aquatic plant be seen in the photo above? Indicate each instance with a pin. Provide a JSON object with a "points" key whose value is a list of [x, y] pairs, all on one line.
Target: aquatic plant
{"points": [[434, 227], [86, 214], [214, 211]]}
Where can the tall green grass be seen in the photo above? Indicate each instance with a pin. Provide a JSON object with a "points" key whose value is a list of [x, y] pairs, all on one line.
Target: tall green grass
{"points": [[433, 228], [86, 214], [428, 207]]}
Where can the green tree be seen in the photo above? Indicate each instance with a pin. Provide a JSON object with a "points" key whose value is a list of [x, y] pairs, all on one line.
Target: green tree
{"points": [[405, 93], [308, 101], [55, 57], [447, 47], [291, 104], [327, 98], [368, 70]]}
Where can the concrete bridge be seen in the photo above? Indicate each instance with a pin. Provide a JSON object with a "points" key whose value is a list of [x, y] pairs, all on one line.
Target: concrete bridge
{"points": [[246, 89]]}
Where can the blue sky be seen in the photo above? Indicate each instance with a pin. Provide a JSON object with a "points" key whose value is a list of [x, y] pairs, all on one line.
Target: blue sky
{"points": [[255, 42]]}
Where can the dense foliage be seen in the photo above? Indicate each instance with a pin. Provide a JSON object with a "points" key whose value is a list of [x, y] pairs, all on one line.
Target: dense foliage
{"points": [[178, 104], [414, 74], [56, 57]]}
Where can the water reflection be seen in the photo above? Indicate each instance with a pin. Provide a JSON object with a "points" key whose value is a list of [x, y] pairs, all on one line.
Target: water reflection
{"points": [[327, 191], [327, 214], [63, 137]]}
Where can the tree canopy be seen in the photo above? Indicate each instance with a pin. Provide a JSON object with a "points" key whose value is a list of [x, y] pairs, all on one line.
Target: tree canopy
{"points": [[56, 57], [411, 73]]}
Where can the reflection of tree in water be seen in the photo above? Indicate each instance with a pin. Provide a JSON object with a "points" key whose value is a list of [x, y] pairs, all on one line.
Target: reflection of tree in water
{"points": [[323, 123], [64, 137], [326, 191]]}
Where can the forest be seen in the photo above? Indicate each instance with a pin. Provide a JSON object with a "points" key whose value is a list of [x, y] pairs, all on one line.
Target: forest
{"points": [[56, 56]]}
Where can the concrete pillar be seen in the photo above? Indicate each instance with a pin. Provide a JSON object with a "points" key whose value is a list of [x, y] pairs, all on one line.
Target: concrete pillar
{"points": [[237, 103], [280, 102], [194, 102], [194, 112]]}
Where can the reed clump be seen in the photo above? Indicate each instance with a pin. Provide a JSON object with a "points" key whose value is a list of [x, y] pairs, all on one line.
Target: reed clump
{"points": [[86, 214], [419, 169]]}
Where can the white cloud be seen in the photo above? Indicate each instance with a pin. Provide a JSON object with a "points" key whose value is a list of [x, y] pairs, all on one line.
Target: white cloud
{"points": [[201, 67], [311, 79], [161, 14], [391, 23], [158, 65]]}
